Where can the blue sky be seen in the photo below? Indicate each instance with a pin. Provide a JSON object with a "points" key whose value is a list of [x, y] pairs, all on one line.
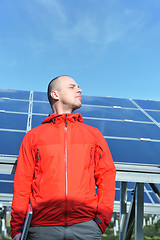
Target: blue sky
{"points": [[110, 47]]}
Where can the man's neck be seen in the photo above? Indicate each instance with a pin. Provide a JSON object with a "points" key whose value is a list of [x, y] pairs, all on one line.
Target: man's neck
{"points": [[60, 111]]}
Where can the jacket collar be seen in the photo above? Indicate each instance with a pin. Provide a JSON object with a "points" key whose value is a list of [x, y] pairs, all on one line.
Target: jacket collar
{"points": [[72, 117]]}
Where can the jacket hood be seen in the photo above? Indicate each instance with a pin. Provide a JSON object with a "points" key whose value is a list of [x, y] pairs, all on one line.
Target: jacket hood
{"points": [[72, 117]]}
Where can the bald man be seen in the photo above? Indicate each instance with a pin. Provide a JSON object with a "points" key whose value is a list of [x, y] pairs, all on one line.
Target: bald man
{"points": [[60, 162]]}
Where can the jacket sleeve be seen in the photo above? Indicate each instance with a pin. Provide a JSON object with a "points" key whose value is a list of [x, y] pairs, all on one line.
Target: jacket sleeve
{"points": [[22, 186], [105, 173]]}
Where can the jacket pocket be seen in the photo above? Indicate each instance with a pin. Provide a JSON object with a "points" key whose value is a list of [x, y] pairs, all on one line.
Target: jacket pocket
{"points": [[98, 155], [91, 170], [37, 173]]}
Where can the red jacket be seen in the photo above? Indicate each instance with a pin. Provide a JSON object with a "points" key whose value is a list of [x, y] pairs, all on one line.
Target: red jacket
{"points": [[59, 164]]}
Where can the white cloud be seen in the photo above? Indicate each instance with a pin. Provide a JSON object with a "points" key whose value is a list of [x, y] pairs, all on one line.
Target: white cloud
{"points": [[104, 25]]}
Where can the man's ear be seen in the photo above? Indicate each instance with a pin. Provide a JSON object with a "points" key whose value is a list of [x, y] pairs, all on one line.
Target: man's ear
{"points": [[54, 95]]}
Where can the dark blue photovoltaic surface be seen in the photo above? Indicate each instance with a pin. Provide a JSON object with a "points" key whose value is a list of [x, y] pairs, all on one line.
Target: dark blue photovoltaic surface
{"points": [[107, 101], [148, 104], [155, 115], [117, 195], [40, 96], [11, 142], [14, 106], [135, 152], [149, 196], [125, 129], [113, 113], [37, 120], [6, 188], [14, 94], [43, 108], [146, 198], [13, 121]]}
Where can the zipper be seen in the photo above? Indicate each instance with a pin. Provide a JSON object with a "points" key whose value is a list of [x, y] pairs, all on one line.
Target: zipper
{"points": [[90, 165], [66, 170], [91, 153], [38, 154]]}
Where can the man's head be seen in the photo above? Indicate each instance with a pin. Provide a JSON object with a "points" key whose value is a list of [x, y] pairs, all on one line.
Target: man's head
{"points": [[64, 94]]}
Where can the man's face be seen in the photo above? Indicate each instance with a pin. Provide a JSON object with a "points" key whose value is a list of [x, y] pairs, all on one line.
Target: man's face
{"points": [[69, 94]]}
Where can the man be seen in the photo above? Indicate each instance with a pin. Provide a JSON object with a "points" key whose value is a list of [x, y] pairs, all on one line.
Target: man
{"points": [[59, 164]]}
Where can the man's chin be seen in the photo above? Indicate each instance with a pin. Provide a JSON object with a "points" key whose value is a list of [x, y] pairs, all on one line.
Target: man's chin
{"points": [[77, 107]]}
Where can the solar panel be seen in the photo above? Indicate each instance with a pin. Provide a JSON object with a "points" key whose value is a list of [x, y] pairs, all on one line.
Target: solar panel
{"points": [[6, 183], [130, 127], [123, 122], [14, 106], [135, 152], [107, 101], [14, 94], [125, 129], [155, 115], [13, 121], [148, 104], [41, 108], [149, 196], [11, 142], [40, 96], [113, 113]]}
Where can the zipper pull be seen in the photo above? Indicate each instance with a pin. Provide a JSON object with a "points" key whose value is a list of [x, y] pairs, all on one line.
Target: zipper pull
{"points": [[38, 154], [66, 123], [91, 152]]}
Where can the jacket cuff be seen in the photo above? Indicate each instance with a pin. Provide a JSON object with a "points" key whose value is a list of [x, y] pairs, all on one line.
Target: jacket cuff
{"points": [[101, 224], [15, 232]]}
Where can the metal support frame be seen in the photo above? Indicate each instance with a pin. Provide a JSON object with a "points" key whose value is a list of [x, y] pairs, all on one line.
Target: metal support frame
{"points": [[3, 221], [123, 209], [135, 214], [126, 226], [125, 173], [29, 121], [139, 211]]}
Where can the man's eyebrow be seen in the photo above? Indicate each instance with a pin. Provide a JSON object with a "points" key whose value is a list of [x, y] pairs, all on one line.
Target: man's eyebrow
{"points": [[74, 85]]}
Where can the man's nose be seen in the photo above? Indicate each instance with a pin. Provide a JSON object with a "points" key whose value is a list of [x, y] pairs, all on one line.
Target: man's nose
{"points": [[79, 90]]}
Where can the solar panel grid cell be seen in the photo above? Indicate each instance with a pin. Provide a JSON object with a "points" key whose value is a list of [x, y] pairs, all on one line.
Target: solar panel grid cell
{"points": [[11, 142], [155, 115], [148, 104], [14, 94], [135, 152], [6, 187], [13, 121], [14, 106], [107, 101], [40, 96], [37, 120], [41, 108], [125, 129], [113, 113]]}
